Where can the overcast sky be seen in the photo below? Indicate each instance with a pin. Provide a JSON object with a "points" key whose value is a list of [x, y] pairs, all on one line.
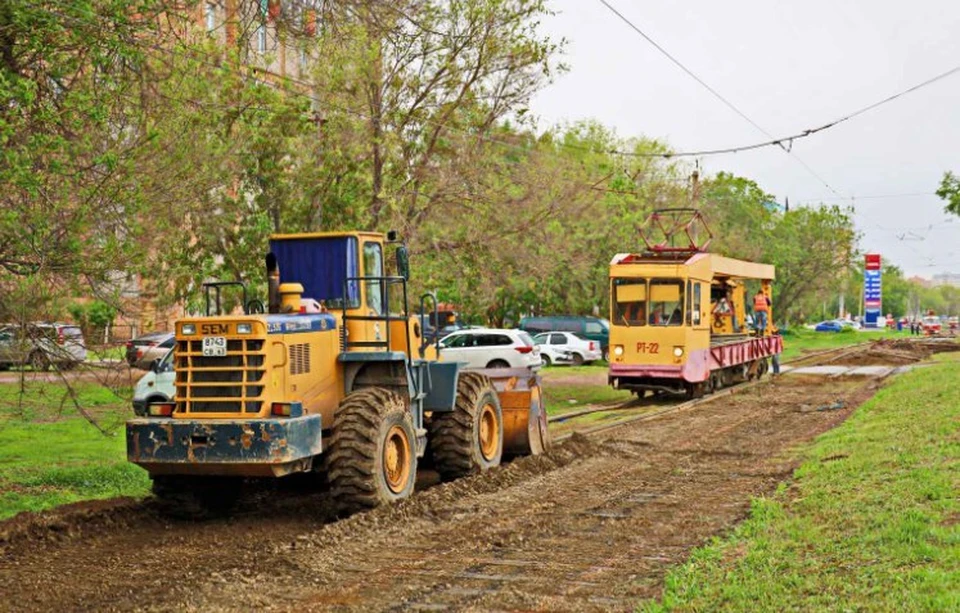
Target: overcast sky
{"points": [[787, 65]]}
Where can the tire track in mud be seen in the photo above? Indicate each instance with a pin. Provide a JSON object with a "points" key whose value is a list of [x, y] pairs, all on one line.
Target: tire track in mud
{"points": [[594, 525]]}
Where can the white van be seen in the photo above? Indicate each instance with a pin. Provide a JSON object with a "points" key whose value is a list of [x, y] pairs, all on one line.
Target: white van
{"points": [[158, 385]]}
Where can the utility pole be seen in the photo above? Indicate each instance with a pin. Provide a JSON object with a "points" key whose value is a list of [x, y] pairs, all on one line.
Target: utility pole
{"points": [[695, 199]]}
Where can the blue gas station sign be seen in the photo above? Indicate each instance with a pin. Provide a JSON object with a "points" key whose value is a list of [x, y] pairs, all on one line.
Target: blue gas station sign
{"points": [[873, 292]]}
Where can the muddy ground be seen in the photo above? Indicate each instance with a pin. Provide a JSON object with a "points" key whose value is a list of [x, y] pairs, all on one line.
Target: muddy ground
{"points": [[593, 526]]}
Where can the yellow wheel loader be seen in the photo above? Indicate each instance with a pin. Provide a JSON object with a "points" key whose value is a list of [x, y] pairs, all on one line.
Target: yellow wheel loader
{"points": [[334, 378]]}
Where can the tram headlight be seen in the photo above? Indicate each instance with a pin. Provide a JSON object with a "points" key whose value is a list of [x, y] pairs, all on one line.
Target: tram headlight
{"points": [[618, 350], [678, 352], [188, 329]]}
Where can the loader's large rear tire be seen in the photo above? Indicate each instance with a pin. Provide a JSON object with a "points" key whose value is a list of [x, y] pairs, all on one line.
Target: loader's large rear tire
{"points": [[188, 497], [372, 457], [469, 439]]}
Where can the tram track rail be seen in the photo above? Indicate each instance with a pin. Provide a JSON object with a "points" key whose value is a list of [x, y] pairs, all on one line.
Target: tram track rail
{"points": [[834, 353]]}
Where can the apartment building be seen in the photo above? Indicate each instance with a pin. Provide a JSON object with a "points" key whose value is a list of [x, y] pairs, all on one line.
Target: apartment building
{"points": [[273, 35]]}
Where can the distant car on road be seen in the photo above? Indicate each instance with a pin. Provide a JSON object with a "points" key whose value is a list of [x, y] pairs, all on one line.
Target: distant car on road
{"points": [[583, 351], [829, 326], [42, 345], [143, 350], [491, 348]]}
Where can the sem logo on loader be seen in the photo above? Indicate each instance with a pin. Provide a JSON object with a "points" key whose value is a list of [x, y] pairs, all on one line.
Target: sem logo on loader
{"points": [[214, 329]]}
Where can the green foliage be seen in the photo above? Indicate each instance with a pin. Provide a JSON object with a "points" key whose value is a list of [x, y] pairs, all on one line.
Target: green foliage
{"points": [[78, 311], [98, 313], [101, 314], [67, 188], [949, 191], [871, 523], [416, 124]]}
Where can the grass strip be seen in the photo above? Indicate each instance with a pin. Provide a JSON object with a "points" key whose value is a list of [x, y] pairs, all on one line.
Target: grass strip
{"points": [[872, 521]]}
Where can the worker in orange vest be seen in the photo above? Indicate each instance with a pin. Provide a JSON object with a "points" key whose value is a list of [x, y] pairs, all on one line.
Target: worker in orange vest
{"points": [[761, 306]]}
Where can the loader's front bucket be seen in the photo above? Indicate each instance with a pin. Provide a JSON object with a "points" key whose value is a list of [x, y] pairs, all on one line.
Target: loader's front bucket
{"points": [[524, 415]]}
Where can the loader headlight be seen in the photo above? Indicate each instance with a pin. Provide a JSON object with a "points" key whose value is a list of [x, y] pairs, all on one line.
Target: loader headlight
{"points": [[618, 350], [188, 329], [678, 352], [244, 328]]}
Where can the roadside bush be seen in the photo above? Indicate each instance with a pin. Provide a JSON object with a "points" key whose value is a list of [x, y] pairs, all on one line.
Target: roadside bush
{"points": [[95, 315]]}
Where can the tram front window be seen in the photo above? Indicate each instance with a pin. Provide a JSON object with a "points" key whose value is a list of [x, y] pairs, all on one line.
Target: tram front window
{"points": [[666, 302], [630, 302]]}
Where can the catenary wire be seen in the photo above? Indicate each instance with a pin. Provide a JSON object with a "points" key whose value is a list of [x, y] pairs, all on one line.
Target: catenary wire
{"points": [[785, 143]]}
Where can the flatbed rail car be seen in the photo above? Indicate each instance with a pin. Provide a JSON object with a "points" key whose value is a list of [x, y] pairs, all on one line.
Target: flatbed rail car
{"points": [[678, 322]]}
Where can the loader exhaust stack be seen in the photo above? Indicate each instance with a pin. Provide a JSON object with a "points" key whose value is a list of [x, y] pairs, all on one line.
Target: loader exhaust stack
{"points": [[273, 284]]}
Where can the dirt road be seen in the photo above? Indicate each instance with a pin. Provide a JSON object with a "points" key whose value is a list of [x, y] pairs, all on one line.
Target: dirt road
{"points": [[594, 526]]}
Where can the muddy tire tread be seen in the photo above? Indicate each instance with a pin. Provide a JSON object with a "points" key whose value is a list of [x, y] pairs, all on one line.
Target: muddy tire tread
{"points": [[452, 438], [351, 459]]}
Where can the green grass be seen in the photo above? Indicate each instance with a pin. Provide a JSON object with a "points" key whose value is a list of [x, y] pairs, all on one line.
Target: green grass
{"points": [[108, 352], [50, 456], [871, 523], [800, 341], [564, 398], [586, 369]]}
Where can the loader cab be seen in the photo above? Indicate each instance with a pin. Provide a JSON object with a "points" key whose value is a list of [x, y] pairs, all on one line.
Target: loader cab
{"points": [[358, 275], [326, 264]]}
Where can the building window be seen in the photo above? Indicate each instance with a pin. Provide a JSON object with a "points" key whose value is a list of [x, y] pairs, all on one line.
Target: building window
{"points": [[262, 29], [262, 38], [211, 16]]}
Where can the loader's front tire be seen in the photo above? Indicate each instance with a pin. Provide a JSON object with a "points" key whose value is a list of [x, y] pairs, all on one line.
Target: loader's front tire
{"points": [[187, 497], [469, 439], [372, 457]]}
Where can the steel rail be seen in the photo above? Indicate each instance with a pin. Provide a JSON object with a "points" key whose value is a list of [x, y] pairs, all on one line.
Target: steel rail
{"points": [[689, 404]]}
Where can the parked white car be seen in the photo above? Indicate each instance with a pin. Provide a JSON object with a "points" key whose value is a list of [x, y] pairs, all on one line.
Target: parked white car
{"points": [[553, 355], [491, 348], [581, 350], [158, 385]]}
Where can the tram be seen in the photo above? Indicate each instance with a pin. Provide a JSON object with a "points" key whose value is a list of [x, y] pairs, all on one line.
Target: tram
{"points": [[686, 321]]}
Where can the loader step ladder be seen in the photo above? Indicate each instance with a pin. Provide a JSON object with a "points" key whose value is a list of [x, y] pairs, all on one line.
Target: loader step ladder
{"points": [[386, 318]]}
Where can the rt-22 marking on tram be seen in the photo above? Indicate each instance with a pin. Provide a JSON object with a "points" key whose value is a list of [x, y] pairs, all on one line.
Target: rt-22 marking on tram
{"points": [[648, 347]]}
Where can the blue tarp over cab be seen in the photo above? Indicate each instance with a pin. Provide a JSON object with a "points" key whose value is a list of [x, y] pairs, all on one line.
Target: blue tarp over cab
{"points": [[320, 264]]}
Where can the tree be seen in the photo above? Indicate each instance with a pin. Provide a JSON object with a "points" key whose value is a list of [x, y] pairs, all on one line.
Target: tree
{"points": [[737, 213], [949, 191], [813, 250], [68, 196]]}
